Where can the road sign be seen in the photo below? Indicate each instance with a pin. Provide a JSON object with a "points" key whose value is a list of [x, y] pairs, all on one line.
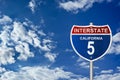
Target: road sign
{"points": [[91, 42]]}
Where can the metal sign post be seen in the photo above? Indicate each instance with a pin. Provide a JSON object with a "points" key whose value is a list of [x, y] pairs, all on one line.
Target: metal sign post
{"points": [[91, 42], [91, 70]]}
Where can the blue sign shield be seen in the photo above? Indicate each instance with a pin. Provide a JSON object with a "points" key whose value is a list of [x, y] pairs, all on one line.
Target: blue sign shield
{"points": [[90, 42]]}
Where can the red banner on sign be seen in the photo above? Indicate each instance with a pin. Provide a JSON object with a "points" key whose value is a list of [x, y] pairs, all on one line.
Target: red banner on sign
{"points": [[90, 30]]}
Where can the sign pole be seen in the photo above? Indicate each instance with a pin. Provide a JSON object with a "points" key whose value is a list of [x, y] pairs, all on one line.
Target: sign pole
{"points": [[91, 70]]}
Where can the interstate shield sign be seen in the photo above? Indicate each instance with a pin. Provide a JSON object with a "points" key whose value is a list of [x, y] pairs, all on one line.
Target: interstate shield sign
{"points": [[91, 42]]}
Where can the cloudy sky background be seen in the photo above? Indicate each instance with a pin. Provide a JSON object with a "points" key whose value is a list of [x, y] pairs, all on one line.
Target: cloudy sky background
{"points": [[35, 43]]}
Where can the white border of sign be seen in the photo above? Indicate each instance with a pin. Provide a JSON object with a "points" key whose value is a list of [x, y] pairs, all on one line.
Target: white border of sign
{"points": [[94, 34]]}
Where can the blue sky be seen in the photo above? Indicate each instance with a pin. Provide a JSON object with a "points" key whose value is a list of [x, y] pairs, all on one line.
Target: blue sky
{"points": [[35, 39]]}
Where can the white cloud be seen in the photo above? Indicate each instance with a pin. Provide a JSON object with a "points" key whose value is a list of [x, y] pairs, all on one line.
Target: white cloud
{"points": [[115, 47], [115, 76], [106, 71], [76, 5], [116, 37], [18, 37], [6, 55], [2, 70], [118, 68], [32, 5], [5, 19], [51, 56], [36, 73], [45, 73], [19, 32], [85, 64], [41, 33], [82, 63], [47, 47], [5, 36], [24, 50]]}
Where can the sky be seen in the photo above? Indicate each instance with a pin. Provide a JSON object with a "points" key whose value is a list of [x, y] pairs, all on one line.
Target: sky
{"points": [[35, 39]]}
